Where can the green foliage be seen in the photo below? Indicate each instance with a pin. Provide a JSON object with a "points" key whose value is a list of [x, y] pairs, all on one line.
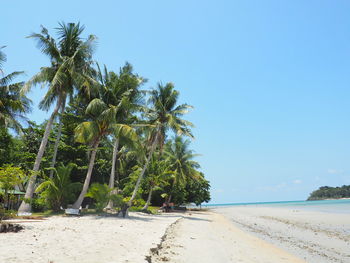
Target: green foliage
{"points": [[59, 190], [327, 192], [198, 191], [102, 106], [137, 202], [6, 214], [101, 193], [13, 104], [10, 177], [39, 204], [6, 147]]}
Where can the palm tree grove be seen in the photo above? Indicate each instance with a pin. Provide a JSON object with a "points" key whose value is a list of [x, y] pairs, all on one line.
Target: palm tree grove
{"points": [[110, 142]]}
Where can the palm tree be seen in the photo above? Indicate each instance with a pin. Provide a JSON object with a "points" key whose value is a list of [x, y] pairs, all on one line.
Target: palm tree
{"points": [[157, 174], [59, 189], [13, 105], [163, 115], [70, 58], [126, 82], [182, 163], [101, 123]]}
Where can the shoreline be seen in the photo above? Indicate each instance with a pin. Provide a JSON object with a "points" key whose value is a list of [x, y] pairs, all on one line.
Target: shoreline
{"points": [[315, 236], [224, 235], [186, 237], [208, 237]]}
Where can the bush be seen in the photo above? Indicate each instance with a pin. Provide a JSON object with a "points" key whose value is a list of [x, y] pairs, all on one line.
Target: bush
{"points": [[138, 202], [38, 204], [101, 193]]}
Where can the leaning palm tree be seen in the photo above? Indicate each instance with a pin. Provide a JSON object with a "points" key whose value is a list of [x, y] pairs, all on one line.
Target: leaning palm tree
{"points": [[163, 115], [13, 105], [116, 85], [70, 58], [102, 122]]}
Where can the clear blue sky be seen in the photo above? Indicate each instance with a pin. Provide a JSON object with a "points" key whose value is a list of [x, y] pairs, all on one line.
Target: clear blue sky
{"points": [[269, 80]]}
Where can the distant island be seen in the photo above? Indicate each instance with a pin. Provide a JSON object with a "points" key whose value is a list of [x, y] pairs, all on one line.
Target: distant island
{"points": [[327, 192]]}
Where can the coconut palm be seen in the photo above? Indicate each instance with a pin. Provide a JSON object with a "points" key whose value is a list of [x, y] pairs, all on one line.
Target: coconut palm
{"points": [[116, 85], [182, 163], [102, 122], [13, 105], [163, 115], [157, 174], [70, 58]]}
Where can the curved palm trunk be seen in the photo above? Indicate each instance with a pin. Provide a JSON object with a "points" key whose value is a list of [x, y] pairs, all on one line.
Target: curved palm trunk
{"points": [[138, 183], [58, 137], [148, 199], [112, 177], [81, 197], [26, 207]]}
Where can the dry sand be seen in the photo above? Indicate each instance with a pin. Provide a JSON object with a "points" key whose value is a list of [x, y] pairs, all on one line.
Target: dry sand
{"points": [[204, 237], [87, 239], [314, 236]]}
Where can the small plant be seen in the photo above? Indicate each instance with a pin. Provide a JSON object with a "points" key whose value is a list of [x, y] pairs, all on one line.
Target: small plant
{"points": [[58, 190], [101, 193]]}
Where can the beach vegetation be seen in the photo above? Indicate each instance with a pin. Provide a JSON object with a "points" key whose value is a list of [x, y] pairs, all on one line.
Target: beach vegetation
{"points": [[328, 192], [108, 141]]}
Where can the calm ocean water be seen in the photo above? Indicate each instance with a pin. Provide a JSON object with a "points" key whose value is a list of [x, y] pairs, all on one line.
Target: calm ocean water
{"points": [[328, 206]]}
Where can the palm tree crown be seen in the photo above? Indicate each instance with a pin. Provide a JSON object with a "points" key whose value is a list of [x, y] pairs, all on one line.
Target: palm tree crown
{"points": [[13, 105], [165, 115]]}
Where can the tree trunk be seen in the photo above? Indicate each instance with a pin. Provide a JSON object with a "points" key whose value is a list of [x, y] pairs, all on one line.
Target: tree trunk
{"points": [[137, 186], [112, 177], [58, 137], [26, 207], [81, 197], [169, 199], [148, 199]]}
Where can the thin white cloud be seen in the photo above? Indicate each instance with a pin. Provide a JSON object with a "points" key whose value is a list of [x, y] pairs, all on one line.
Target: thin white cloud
{"points": [[297, 181], [334, 171]]}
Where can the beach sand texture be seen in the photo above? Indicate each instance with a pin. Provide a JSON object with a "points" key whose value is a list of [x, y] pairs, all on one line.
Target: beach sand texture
{"points": [[87, 239], [190, 237], [316, 237], [211, 238]]}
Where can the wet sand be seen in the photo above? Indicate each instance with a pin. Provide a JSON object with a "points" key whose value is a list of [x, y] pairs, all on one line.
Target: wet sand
{"points": [[314, 236]]}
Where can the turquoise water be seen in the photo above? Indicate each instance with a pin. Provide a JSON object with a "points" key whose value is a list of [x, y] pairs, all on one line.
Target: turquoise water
{"points": [[328, 206]]}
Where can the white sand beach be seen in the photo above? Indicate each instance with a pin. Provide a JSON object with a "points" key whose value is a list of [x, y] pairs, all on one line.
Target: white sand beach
{"points": [[314, 236], [86, 239], [189, 237]]}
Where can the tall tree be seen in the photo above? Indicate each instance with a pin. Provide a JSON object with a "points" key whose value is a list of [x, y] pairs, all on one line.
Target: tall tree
{"points": [[13, 105], [116, 87], [70, 58], [163, 115], [102, 122]]}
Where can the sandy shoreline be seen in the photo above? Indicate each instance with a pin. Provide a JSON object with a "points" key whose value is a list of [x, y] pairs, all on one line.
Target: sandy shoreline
{"points": [[211, 238], [189, 237], [314, 236]]}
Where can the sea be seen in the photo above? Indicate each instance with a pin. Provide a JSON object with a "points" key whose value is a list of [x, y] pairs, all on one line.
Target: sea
{"points": [[339, 206]]}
